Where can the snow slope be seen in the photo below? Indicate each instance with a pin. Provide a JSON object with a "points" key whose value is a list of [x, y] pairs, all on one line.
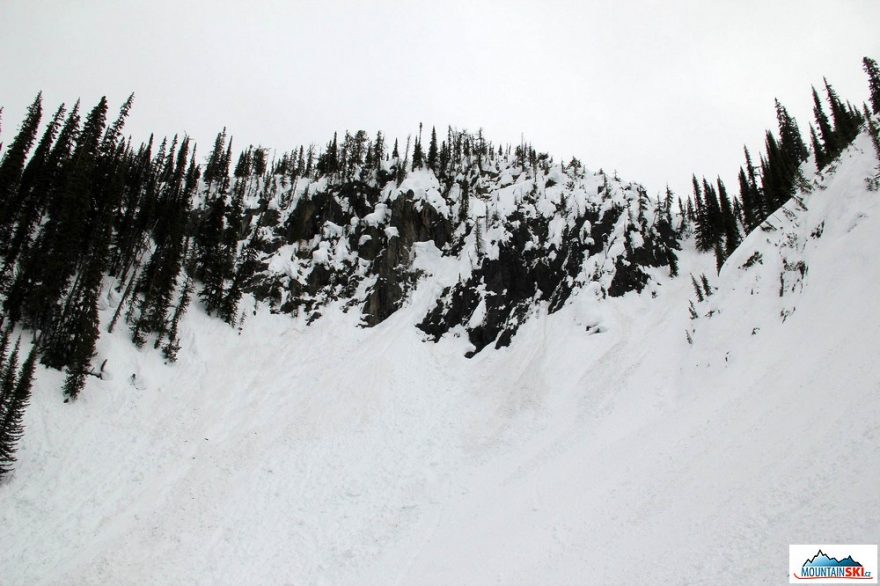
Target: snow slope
{"points": [[599, 447]]}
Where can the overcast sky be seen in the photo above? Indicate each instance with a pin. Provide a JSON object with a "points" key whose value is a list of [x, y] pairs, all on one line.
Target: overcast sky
{"points": [[655, 89]]}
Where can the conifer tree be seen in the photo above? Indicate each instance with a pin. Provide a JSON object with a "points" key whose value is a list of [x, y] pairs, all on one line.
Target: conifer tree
{"points": [[214, 166], [328, 163], [712, 220], [702, 232], [875, 136], [432, 150], [719, 257], [465, 201], [667, 205], [751, 214], [7, 379], [826, 133], [845, 125], [443, 160], [369, 162], [417, 156], [258, 166], [759, 208], [12, 416], [65, 237], [697, 289], [30, 199], [12, 163], [777, 175], [172, 346], [684, 223], [4, 347], [818, 151], [243, 166], [136, 203], [790, 141], [159, 278], [81, 326], [379, 150], [232, 293], [728, 218], [873, 73], [211, 260]]}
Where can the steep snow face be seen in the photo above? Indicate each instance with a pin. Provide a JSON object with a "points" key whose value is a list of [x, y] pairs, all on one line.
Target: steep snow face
{"points": [[599, 446]]}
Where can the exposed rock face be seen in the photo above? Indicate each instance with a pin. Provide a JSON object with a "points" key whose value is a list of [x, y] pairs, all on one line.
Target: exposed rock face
{"points": [[411, 222], [531, 266], [521, 237]]}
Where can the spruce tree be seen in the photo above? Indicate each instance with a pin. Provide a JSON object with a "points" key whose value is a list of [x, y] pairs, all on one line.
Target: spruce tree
{"points": [[432, 150], [4, 347], [719, 257], [443, 161], [702, 228], [50, 186], [873, 73], [777, 175], [464, 201], [379, 150], [27, 206], [845, 125], [214, 167], [12, 163], [11, 422], [790, 141], [172, 346], [875, 136], [74, 329], [818, 151], [243, 166], [159, 278], [65, 238], [82, 327], [826, 133], [759, 207], [728, 218], [417, 156], [683, 214], [697, 289], [713, 222], [8, 379], [211, 262], [748, 206], [231, 294], [258, 167]]}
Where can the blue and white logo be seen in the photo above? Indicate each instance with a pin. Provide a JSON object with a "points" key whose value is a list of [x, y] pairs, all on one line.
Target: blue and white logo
{"points": [[832, 564]]}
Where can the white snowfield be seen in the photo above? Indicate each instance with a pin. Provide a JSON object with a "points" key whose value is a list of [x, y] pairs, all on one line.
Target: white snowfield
{"points": [[599, 448]]}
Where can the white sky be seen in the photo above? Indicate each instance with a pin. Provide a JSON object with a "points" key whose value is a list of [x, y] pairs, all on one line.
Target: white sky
{"points": [[655, 89]]}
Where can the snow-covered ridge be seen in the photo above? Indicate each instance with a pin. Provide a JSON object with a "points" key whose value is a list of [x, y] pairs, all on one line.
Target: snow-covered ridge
{"points": [[762, 284], [518, 236]]}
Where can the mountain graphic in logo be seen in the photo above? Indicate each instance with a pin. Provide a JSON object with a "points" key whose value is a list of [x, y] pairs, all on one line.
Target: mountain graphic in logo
{"points": [[824, 567], [843, 564], [821, 559]]}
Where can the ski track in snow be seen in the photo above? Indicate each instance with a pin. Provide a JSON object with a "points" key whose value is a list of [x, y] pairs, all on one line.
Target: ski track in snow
{"points": [[332, 454]]}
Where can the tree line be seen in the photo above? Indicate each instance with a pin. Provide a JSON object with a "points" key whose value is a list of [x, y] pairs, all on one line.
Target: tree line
{"points": [[720, 221]]}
